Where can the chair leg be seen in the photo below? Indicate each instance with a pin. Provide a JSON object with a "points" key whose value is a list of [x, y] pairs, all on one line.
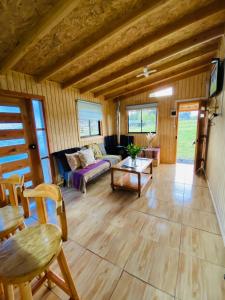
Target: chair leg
{"points": [[67, 275], [25, 291], [8, 291]]}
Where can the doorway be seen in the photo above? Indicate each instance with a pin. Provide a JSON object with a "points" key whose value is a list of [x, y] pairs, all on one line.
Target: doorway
{"points": [[23, 140], [187, 121]]}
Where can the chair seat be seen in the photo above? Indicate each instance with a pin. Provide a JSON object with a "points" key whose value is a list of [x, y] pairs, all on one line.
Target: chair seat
{"points": [[10, 218], [29, 252]]}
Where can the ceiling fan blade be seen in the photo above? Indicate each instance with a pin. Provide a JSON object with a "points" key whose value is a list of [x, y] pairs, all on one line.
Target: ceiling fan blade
{"points": [[139, 75], [152, 71]]}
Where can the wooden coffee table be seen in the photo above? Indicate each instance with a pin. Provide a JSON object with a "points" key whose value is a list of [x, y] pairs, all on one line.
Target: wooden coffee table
{"points": [[134, 178]]}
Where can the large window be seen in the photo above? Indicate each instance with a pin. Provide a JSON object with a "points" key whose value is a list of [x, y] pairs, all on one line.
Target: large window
{"points": [[89, 117], [142, 118]]}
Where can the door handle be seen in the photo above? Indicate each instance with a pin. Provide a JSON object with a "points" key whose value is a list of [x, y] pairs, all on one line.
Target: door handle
{"points": [[32, 146]]}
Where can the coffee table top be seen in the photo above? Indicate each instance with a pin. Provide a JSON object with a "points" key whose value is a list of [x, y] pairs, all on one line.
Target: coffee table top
{"points": [[127, 165]]}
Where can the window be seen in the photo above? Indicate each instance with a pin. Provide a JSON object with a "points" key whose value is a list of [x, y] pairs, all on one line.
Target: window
{"points": [[42, 139], [90, 117], [142, 118], [162, 93]]}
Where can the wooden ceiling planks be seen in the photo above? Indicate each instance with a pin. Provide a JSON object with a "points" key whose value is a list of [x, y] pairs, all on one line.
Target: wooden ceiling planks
{"points": [[100, 46], [136, 16], [151, 38], [188, 44], [162, 76], [163, 82], [28, 40], [210, 51]]}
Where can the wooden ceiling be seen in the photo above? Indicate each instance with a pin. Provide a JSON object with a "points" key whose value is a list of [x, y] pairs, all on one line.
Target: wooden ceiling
{"points": [[100, 46]]}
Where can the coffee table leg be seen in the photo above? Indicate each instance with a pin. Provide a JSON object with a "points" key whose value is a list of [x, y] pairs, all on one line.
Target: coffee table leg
{"points": [[139, 184], [112, 180], [151, 169]]}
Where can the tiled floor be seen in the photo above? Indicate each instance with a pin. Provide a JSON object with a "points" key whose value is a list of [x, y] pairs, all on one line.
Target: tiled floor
{"points": [[165, 245]]}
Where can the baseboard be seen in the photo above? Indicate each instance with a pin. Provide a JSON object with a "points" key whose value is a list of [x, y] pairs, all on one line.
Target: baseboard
{"points": [[216, 210]]}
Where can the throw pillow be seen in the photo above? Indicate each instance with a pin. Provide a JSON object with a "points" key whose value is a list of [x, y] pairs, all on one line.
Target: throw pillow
{"points": [[86, 157], [96, 150], [102, 148], [73, 160]]}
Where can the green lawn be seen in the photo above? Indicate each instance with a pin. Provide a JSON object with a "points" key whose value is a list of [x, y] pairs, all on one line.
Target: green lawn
{"points": [[186, 136]]}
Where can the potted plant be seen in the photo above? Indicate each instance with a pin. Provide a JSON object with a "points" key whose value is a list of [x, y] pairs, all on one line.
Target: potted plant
{"points": [[133, 151]]}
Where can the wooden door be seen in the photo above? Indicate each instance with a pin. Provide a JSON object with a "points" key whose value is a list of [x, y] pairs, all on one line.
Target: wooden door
{"points": [[201, 139], [18, 143]]}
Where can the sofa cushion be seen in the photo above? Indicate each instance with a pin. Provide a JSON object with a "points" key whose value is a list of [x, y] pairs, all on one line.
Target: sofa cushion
{"points": [[96, 150], [86, 157], [102, 148], [73, 160], [113, 159]]}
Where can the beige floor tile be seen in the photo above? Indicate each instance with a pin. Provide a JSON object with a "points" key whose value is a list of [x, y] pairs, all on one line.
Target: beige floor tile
{"points": [[130, 288], [198, 198], [95, 278], [159, 208], [155, 264], [162, 231], [199, 280], [202, 244], [129, 219], [200, 220]]}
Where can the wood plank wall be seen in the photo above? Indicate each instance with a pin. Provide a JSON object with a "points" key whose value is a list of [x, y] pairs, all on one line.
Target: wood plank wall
{"points": [[60, 109], [192, 87], [215, 168]]}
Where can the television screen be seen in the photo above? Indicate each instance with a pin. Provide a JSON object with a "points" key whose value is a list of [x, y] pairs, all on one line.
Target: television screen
{"points": [[213, 82], [216, 78]]}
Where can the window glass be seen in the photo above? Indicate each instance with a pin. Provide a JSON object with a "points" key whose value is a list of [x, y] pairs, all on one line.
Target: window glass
{"points": [[5, 143], [28, 183], [42, 143], [9, 109], [19, 172], [9, 126], [149, 120], [89, 115], [142, 120], [38, 114], [135, 121], [12, 158], [46, 170], [84, 128], [162, 93], [94, 127]]}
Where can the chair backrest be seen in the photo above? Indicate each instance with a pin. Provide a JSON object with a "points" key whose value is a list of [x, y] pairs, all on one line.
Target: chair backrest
{"points": [[10, 188], [49, 191]]}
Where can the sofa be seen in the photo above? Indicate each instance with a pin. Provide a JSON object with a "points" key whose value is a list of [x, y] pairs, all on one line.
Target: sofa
{"points": [[112, 146], [80, 177]]}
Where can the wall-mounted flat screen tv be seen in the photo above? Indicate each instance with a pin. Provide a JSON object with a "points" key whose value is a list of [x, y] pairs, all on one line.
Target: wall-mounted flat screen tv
{"points": [[216, 78]]}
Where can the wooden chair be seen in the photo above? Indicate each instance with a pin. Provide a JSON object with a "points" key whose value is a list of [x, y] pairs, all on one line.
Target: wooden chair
{"points": [[30, 252], [12, 215]]}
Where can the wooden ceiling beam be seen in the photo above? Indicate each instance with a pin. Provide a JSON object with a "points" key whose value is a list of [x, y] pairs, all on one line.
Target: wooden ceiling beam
{"points": [[162, 78], [60, 10], [147, 40], [197, 40], [209, 51], [67, 60]]}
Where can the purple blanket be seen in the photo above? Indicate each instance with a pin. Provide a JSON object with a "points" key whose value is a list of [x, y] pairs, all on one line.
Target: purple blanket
{"points": [[78, 175]]}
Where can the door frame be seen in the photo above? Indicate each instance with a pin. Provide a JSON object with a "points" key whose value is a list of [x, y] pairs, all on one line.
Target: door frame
{"points": [[179, 103], [30, 97]]}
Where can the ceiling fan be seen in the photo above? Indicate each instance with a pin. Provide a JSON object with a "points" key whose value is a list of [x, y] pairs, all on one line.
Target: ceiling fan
{"points": [[146, 72]]}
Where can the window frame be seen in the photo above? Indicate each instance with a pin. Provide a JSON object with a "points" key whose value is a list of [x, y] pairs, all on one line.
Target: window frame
{"points": [[141, 132]]}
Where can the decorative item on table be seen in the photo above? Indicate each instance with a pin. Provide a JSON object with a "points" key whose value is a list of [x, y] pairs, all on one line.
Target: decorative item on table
{"points": [[150, 137], [133, 151]]}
